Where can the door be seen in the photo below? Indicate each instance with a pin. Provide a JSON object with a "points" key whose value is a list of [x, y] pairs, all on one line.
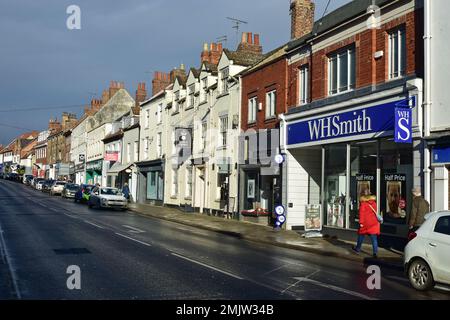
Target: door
{"points": [[152, 190], [438, 249], [200, 190]]}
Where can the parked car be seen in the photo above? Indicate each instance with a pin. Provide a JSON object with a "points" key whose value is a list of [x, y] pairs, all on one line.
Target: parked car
{"points": [[107, 198], [427, 255], [47, 185], [57, 187], [69, 190], [39, 184], [35, 181], [83, 194], [26, 179]]}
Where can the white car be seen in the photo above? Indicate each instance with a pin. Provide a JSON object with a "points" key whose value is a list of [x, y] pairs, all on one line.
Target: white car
{"points": [[39, 184], [427, 255], [57, 187], [107, 198]]}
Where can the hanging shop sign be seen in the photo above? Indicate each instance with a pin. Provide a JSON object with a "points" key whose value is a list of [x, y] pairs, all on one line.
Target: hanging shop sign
{"points": [[95, 165], [112, 156], [364, 122], [403, 125]]}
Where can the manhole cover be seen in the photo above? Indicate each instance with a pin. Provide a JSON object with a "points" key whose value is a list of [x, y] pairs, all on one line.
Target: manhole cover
{"points": [[72, 251]]}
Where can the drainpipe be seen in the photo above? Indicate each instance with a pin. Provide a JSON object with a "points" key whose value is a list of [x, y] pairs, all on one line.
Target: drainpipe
{"points": [[427, 99]]}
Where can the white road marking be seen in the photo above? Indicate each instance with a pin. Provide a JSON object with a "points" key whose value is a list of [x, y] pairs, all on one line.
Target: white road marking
{"points": [[141, 242], [70, 216], [335, 288], [93, 224], [207, 266], [299, 280], [8, 263], [133, 229]]}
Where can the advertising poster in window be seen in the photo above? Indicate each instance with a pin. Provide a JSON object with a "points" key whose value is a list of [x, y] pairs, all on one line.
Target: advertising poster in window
{"points": [[395, 199], [312, 218], [251, 189]]}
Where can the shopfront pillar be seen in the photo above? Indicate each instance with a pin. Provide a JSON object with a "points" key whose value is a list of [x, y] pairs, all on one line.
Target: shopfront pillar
{"points": [[441, 188]]}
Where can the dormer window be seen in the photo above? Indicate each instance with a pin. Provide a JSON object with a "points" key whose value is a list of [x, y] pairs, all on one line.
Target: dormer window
{"points": [[204, 86], [176, 105], [224, 74]]}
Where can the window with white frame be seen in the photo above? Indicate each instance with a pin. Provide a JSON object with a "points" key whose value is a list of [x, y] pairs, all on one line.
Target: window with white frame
{"points": [[128, 152], [191, 96], [189, 181], [203, 90], [341, 71], [223, 130], [174, 182], [204, 131], [159, 113], [397, 53], [159, 144], [224, 80], [147, 118], [136, 150], [271, 98], [252, 109], [304, 84], [145, 141]]}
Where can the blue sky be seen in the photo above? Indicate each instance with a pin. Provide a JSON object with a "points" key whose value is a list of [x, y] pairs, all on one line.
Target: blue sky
{"points": [[45, 65]]}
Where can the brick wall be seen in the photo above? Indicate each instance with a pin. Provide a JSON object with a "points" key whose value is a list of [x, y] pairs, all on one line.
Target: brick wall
{"points": [[369, 71], [257, 84]]}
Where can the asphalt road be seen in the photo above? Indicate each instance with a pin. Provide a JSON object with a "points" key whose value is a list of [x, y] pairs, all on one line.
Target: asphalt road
{"points": [[123, 255]]}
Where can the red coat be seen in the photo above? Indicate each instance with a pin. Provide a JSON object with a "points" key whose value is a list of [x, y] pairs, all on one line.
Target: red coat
{"points": [[367, 218]]}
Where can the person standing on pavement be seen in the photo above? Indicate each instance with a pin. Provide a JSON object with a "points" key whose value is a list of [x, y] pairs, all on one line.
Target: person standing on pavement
{"points": [[368, 222], [126, 191], [420, 207]]}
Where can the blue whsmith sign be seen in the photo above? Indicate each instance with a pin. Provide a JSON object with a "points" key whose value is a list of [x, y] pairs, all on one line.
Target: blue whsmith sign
{"points": [[369, 121]]}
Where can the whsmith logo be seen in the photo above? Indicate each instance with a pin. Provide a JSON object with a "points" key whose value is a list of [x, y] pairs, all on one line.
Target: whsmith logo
{"points": [[334, 127]]}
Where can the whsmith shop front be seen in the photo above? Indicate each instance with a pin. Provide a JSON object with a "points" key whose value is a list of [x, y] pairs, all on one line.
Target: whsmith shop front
{"points": [[335, 152]]}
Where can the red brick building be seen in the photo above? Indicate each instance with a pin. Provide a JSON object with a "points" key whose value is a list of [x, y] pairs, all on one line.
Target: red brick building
{"points": [[345, 80]]}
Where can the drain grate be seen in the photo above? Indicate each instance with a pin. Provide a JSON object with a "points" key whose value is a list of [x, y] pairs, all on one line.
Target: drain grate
{"points": [[72, 251]]}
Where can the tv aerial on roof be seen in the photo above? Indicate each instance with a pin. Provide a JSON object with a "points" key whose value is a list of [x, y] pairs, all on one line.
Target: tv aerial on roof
{"points": [[237, 23]]}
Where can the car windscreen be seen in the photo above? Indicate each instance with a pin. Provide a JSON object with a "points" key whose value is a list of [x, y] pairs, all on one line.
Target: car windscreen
{"points": [[113, 192], [60, 183], [72, 187]]}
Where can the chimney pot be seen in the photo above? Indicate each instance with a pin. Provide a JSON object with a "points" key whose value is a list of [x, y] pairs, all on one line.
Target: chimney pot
{"points": [[244, 37], [249, 38], [256, 39]]}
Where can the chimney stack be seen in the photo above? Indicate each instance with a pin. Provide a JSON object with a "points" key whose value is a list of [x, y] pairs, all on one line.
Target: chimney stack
{"points": [[68, 120], [105, 97], [250, 43], [302, 18], [215, 53], [141, 93], [53, 125], [96, 105], [114, 87], [181, 72], [160, 81]]}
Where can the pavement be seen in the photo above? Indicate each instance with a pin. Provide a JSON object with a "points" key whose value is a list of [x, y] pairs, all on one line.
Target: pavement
{"points": [[267, 235]]}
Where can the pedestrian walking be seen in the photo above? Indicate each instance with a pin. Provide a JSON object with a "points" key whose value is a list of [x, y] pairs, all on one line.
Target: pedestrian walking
{"points": [[420, 207], [126, 191], [369, 222]]}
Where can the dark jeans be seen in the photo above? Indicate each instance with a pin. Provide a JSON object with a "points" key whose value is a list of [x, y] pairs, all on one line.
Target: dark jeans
{"points": [[374, 239]]}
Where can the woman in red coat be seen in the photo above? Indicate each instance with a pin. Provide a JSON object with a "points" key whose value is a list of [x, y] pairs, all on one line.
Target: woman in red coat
{"points": [[368, 222]]}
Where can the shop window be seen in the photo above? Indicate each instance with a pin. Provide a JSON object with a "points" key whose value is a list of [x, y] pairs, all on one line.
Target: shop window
{"points": [[336, 184], [396, 163], [221, 186], [363, 164], [303, 84], [251, 191]]}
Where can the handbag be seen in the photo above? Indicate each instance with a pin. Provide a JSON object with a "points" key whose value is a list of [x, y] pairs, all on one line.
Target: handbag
{"points": [[379, 217]]}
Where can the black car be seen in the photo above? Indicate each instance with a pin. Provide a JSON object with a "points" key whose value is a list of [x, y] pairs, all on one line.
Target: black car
{"points": [[83, 193], [69, 191]]}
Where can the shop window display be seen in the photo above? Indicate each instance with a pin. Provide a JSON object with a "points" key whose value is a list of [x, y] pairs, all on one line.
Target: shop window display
{"points": [[363, 162], [335, 184]]}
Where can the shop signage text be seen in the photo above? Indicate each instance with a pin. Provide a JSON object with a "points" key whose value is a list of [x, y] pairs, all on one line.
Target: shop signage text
{"points": [[374, 120], [441, 155], [403, 125]]}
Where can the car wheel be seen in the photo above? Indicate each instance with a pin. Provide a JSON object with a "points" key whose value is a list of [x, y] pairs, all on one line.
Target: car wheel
{"points": [[420, 275]]}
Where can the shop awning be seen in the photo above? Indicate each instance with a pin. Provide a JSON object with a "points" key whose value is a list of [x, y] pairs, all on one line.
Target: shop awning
{"points": [[118, 167]]}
